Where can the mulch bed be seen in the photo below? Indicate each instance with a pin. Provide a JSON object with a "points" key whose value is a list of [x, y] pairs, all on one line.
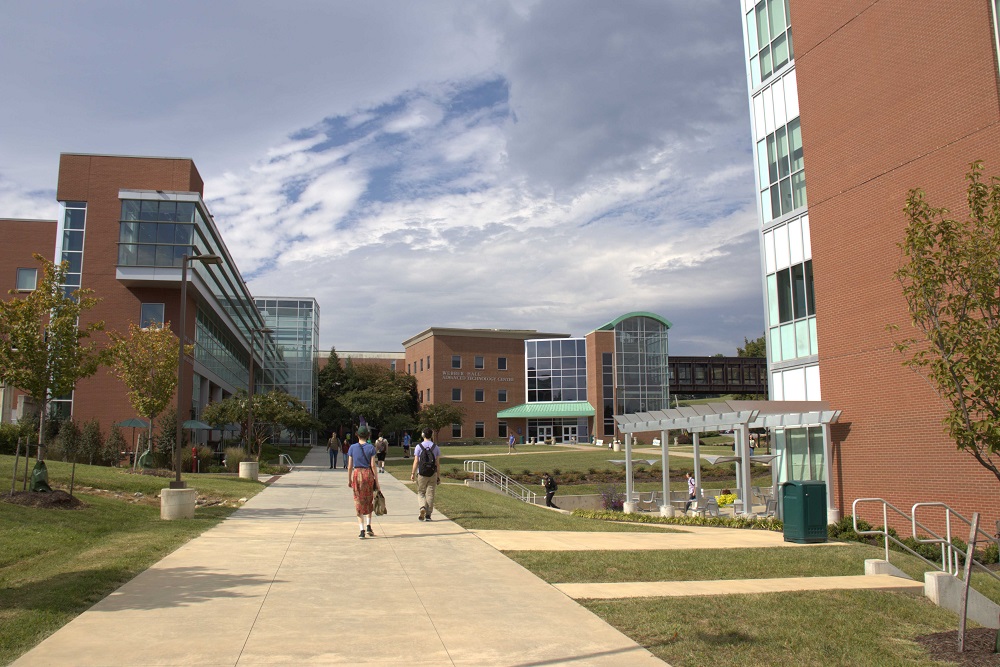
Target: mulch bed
{"points": [[979, 643], [57, 499]]}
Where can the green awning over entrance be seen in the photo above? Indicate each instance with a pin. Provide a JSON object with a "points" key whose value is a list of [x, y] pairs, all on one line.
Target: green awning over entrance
{"points": [[554, 409]]}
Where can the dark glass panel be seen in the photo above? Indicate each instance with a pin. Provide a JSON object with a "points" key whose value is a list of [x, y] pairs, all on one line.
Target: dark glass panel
{"points": [[75, 218], [164, 233], [130, 209], [148, 210], [799, 290], [147, 232], [185, 211], [168, 211]]}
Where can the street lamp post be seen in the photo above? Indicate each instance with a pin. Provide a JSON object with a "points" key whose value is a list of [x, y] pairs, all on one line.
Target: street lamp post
{"points": [[181, 333], [263, 331]]}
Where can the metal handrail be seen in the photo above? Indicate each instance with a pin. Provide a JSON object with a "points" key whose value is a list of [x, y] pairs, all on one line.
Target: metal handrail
{"points": [[286, 460], [483, 472], [953, 553], [949, 553]]}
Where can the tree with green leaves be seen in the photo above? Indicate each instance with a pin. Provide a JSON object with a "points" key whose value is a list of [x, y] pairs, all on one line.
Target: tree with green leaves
{"points": [[752, 348], [273, 408], [951, 283], [376, 393], [332, 384], [436, 416], [44, 351], [146, 362]]}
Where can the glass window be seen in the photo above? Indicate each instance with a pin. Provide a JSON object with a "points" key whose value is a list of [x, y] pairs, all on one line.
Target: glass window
{"points": [[501, 363], [480, 429], [456, 394], [456, 430], [456, 361], [502, 396], [502, 429], [27, 279], [421, 364], [479, 363], [480, 395], [150, 314]]}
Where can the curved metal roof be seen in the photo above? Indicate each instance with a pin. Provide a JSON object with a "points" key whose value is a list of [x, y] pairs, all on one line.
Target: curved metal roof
{"points": [[639, 313]]}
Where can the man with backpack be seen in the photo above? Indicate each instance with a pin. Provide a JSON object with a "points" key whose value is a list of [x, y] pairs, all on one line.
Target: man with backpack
{"points": [[427, 473]]}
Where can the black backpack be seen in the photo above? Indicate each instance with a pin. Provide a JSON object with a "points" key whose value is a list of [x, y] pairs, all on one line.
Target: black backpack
{"points": [[426, 463]]}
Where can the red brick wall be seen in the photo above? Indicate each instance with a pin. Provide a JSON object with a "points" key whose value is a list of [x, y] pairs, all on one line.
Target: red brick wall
{"points": [[97, 180], [893, 95]]}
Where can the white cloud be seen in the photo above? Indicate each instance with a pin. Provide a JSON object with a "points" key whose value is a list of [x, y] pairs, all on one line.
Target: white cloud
{"points": [[525, 164]]}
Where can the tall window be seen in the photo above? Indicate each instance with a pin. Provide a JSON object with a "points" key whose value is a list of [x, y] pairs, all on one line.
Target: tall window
{"points": [[150, 314], [27, 279], [502, 429], [501, 363], [456, 430], [502, 396], [456, 394], [456, 361], [643, 382], [479, 363], [782, 174], [480, 429], [792, 312], [480, 395], [770, 37]]}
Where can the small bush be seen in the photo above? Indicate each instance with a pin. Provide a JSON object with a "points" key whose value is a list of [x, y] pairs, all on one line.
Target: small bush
{"points": [[726, 499], [745, 522], [235, 456]]}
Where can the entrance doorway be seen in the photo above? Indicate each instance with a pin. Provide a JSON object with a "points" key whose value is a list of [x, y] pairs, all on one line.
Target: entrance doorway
{"points": [[569, 434], [544, 433]]}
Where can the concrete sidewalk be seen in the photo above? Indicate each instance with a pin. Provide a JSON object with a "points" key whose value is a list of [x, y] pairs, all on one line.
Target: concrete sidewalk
{"points": [[285, 580]]}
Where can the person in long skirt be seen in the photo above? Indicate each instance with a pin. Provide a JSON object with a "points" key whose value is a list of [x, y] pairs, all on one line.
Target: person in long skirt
{"points": [[362, 477]]}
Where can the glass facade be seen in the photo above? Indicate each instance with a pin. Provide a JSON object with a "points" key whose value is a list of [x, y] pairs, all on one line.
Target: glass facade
{"points": [[69, 248], [295, 323], [156, 232], [556, 370], [781, 169], [641, 365]]}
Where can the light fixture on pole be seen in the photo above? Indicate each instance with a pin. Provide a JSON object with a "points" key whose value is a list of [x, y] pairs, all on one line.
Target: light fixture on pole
{"points": [[181, 334], [263, 331]]}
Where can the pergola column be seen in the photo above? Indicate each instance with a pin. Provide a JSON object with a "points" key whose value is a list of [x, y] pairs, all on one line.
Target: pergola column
{"points": [[630, 504]]}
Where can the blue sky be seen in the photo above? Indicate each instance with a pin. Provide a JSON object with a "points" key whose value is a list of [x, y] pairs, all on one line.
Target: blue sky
{"points": [[509, 164]]}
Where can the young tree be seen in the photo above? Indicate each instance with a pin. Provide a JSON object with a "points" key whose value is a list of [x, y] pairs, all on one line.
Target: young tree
{"points": [[951, 283], [752, 348], [43, 349], [146, 362], [274, 407], [91, 441], [436, 416], [114, 445]]}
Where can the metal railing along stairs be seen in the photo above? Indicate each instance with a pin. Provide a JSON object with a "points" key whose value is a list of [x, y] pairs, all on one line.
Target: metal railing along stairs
{"points": [[483, 472], [950, 554]]}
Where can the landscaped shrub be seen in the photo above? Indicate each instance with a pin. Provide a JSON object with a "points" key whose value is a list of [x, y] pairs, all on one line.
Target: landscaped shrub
{"points": [[752, 523], [114, 446], [235, 456], [91, 442], [612, 497], [726, 499], [9, 433]]}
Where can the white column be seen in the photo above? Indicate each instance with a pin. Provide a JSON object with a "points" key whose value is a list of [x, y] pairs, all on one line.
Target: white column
{"points": [[666, 469], [832, 513], [743, 478], [630, 505], [697, 466]]}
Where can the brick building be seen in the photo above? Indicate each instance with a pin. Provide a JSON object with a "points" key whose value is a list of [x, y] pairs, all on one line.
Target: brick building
{"points": [[875, 98], [124, 225], [542, 386]]}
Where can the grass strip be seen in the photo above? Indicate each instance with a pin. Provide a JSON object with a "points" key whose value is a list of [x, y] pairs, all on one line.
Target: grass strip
{"points": [[803, 628]]}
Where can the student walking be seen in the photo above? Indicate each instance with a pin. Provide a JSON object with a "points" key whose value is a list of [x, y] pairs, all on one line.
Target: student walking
{"points": [[407, 441], [427, 472], [344, 445], [363, 480], [333, 447], [381, 447], [692, 491], [550, 489], [510, 444]]}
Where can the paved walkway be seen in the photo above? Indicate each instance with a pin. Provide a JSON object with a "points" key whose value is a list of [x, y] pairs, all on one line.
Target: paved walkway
{"points": [[285, 580]]}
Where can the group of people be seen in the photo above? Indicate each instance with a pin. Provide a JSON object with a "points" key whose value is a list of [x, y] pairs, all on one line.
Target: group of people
{"points": [[365, 460]]}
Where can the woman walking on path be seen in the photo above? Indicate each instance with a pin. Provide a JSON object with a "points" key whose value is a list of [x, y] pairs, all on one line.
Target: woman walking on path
{"points": [[381, 447], [363, 479]]}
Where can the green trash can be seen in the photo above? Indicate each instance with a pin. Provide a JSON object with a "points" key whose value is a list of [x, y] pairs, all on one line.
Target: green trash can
{"points": [[803, 506]]}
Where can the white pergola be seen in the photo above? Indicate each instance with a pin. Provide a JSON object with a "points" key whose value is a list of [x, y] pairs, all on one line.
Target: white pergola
{"points": [[741, 416]]}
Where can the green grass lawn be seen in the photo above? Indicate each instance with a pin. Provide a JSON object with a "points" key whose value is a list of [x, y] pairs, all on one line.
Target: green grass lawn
{"points": [[55, 563], [803, 628]]}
